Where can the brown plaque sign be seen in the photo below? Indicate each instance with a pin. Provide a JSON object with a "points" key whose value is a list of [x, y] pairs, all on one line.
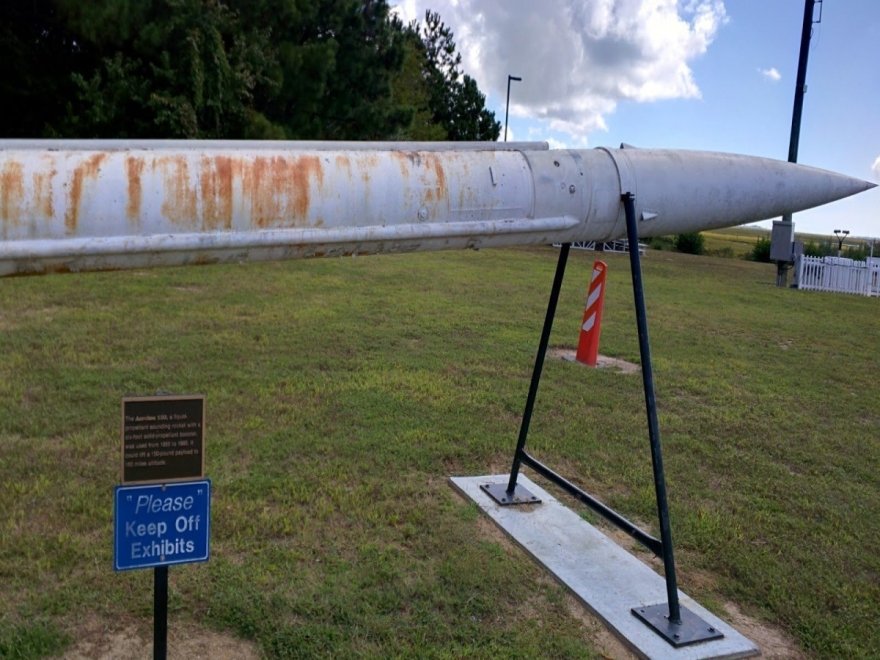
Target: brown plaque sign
{"points": [[163, 439]]}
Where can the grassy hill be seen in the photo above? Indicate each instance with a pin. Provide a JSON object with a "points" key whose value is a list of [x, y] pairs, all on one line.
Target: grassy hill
{"points": [[738, 242]]}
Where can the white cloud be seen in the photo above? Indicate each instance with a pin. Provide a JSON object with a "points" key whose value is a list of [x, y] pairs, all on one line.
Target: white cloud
{"points": [[876, 167], [540, 133], [407, 10], [579, 58], [556, 144], [771, 74]]}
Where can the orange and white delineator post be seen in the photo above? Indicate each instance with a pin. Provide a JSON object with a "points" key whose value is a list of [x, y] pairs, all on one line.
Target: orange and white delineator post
{"points": [[591, 327]]}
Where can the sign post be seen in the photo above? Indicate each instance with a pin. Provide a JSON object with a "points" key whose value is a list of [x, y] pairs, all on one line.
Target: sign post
{"points": [[162, 509]]}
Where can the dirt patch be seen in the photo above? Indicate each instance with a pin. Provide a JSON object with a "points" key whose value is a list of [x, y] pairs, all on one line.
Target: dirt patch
{"points": [[97, 641], [606, 644], [773, 642], [603, 361]]}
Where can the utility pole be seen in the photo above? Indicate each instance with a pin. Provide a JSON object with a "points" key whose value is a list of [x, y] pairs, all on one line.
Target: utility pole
{"points": [[841, 234], [800, 89]]}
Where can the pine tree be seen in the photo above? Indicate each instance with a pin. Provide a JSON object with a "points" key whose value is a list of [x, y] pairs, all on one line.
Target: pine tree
{"points": [[260, 69], [456, 102]]}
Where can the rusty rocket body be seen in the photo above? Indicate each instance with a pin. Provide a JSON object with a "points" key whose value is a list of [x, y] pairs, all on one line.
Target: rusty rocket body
{"points": [[95, 205]]}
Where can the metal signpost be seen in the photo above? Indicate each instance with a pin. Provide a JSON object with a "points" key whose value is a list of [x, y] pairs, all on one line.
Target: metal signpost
{"points": [[162, 510]]}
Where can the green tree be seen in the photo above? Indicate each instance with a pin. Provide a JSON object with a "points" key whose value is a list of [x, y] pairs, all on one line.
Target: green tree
{"points": [[166, 68], [35, 47], [821, 249], [262, 69], [455, 101], [690, 243], [332, 64], [410, 89], [761, 250], [126, 68], [857, 252]]}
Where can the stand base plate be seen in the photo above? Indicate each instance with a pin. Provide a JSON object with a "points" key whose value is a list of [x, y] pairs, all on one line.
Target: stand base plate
{"points": [[605, 577], [520, 495], [691, 630]]}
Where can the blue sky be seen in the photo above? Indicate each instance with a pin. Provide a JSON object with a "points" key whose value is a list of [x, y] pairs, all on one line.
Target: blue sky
{"points": [[694, 74]]}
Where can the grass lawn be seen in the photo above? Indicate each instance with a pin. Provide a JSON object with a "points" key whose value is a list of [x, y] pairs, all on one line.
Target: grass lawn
{"points": [[342, 393]]}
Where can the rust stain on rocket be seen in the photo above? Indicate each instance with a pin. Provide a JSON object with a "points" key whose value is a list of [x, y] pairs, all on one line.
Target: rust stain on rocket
{"points": [[403, 162], [279, 189], [302, 171], [43, 192], [134, 167], [215, 181], [343, 162], [367, 163], [275, 188], [436, 164], [179, 203], [257, 185], [89, 169], [11, 193]]}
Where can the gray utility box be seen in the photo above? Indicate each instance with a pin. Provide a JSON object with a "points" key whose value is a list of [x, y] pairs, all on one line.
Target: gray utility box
{"points": [[781, 240]]}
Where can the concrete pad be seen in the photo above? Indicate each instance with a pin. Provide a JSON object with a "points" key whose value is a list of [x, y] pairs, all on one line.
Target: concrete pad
{"points": [[605, 577]]}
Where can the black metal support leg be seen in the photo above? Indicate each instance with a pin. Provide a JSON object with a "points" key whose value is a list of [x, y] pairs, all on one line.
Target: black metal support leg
{"points": [[539, 363], [632, 233], [675, 624], [514, 494]]}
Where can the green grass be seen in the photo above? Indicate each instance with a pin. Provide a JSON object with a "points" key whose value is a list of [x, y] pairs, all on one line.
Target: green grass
{"points": [[30, 640], [342, 393]]}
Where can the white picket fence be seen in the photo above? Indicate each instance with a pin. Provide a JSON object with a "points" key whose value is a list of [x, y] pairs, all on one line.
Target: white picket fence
{"points": [[838, 274]]}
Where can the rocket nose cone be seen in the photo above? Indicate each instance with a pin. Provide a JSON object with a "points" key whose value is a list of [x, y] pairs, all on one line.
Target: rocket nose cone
{"points": [[694, 191], [833, 184]]}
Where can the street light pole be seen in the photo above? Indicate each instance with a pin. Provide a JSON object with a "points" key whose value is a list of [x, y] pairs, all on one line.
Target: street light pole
{"points": [[800, 89], [507, 107], [840, 234]]}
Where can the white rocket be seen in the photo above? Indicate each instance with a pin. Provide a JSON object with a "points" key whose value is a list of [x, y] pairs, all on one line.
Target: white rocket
{"points": [[94, 205]]}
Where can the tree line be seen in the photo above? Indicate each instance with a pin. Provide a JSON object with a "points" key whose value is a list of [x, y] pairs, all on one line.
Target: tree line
{"points": [[233, 69]]}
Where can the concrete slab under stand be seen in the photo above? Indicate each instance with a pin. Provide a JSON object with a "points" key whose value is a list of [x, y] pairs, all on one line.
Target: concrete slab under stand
{"points": [[606, 578]]}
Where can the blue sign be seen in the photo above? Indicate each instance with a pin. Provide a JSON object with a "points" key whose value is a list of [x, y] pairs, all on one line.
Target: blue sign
{"points": [[161, 524]]}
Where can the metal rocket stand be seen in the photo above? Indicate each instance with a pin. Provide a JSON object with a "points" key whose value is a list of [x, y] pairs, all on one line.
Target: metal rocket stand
{"points": [[675, 623]]}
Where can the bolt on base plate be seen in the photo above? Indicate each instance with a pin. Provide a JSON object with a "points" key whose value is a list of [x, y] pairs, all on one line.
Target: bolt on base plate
{"points": [[691, 630], [520, 495]]}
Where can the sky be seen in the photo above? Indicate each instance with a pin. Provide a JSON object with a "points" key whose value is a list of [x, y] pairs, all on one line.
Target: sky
{"points": [[714, 75]]}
